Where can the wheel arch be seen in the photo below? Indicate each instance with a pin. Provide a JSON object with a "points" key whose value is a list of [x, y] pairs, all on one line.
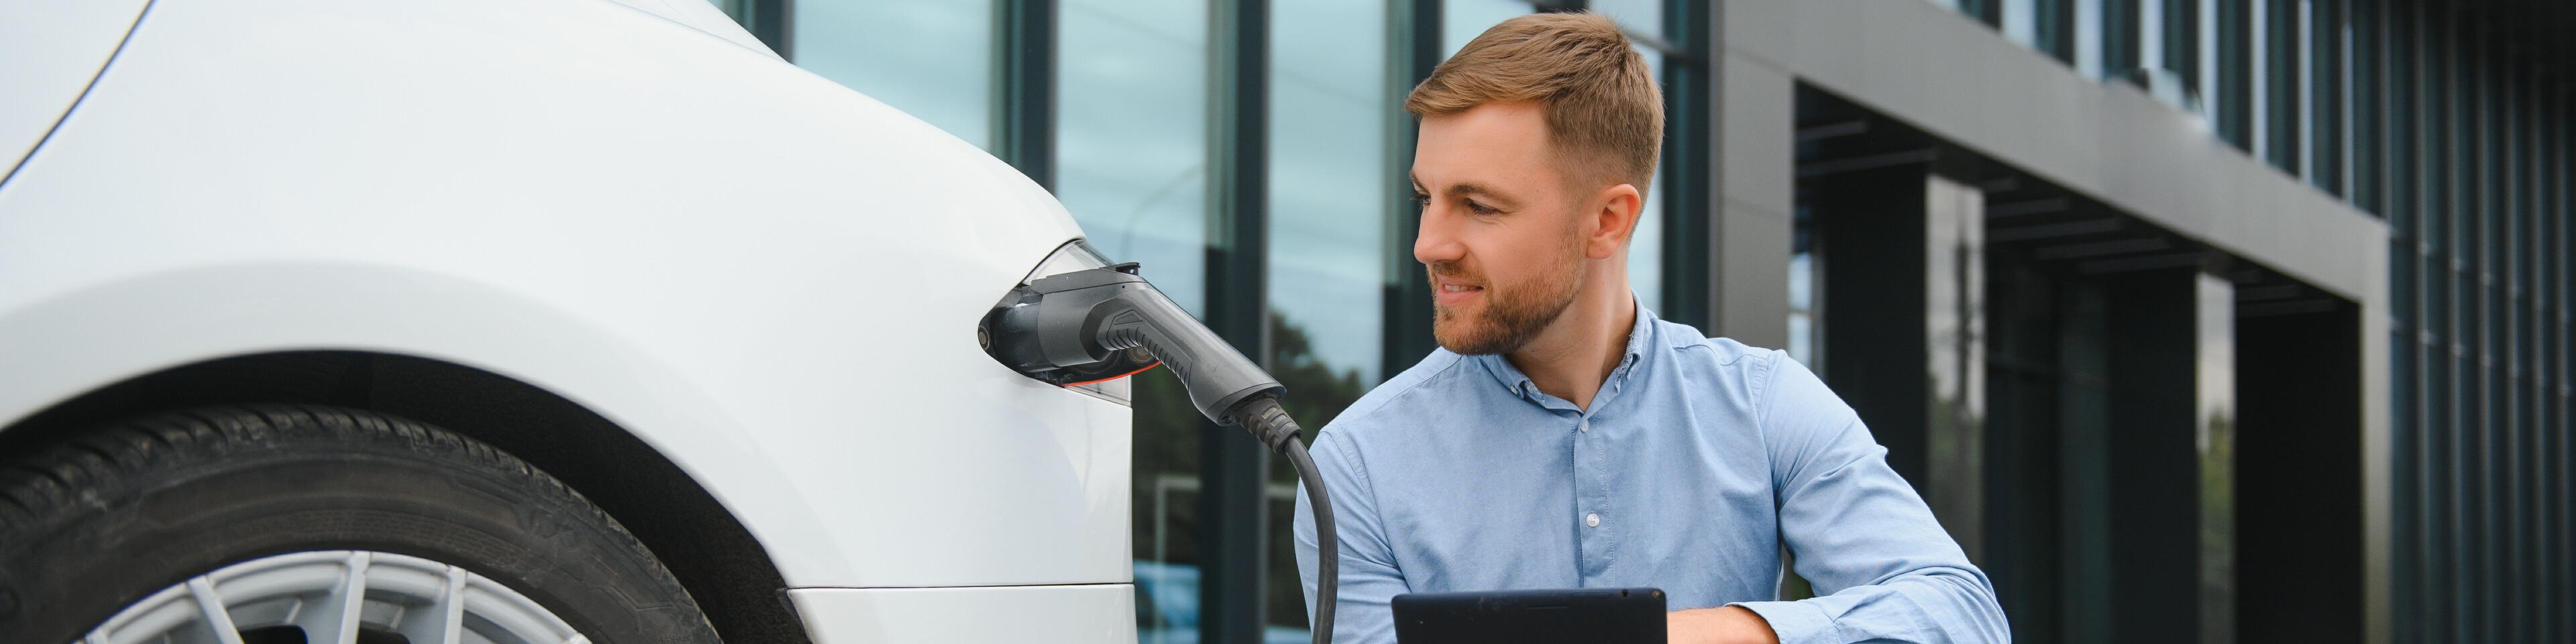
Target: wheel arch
{"points": [[723, 566]]}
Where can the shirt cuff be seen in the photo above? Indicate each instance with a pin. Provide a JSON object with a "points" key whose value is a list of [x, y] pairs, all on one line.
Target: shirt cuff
{"points": [[1794, 622]]}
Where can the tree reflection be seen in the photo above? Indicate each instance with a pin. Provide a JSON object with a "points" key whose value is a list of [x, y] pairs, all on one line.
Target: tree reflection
{"points": [[1168, 434]]}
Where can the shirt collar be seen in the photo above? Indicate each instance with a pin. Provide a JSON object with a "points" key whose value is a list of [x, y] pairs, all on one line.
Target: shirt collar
{"points": [[1641, 334]]}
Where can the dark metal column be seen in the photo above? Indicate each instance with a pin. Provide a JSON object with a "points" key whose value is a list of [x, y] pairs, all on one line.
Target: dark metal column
{"points": [[2084, 470], [772, 21], [1687, 213], [1027, 115], [2171, 440], [2155, 518], [2299, 499], [1875, 304], [1904, 288], [1232, 509], [1414, 43]]}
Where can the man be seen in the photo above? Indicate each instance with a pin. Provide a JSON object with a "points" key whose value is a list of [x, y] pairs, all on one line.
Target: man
{"points": [[1564, 437]]}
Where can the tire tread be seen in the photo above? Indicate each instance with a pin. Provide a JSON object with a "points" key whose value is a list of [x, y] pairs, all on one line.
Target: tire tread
{"points": [[46, 487]]}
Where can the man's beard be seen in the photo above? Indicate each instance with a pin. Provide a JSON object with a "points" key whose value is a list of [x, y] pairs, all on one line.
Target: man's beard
{"points": [[1512, 316]]}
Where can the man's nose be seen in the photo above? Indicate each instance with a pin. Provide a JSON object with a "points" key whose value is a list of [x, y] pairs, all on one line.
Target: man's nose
{"points": [[1436, 241]]}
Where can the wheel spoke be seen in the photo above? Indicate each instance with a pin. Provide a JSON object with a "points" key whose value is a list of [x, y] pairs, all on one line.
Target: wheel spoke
{"points": [[335, 615], [443, 620], [331, 596], [211, 605], [451, 608]]}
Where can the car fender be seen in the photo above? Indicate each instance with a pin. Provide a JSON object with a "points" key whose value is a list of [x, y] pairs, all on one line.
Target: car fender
{"points": [[769, 278]]}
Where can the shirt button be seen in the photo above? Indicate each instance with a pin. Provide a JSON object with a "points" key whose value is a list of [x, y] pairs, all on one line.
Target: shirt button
{"points": [[1584, 426], [1592, 519]]}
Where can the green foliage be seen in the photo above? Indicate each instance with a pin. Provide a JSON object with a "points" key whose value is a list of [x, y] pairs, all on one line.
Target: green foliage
{"points": [[1316, 392], [1170, 433]]}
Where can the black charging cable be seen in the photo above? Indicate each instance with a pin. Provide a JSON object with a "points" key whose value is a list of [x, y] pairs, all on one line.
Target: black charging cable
{"points": [[1267, 422], [1076, 326]]}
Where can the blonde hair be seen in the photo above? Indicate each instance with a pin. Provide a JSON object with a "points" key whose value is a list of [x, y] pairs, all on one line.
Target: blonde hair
{"points": [[1604, 112]]}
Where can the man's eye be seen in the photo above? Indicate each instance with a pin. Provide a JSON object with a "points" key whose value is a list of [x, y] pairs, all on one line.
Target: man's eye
{"points": [[1482, 210], [1421, 201]]}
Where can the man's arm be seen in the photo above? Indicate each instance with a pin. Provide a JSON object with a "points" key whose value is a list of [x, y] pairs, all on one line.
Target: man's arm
{"points": [[1720, 625], [1883, 568], [1369, 579]]}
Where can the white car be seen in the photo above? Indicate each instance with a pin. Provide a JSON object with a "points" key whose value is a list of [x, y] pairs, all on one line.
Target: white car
{"points": [[518, 321]]}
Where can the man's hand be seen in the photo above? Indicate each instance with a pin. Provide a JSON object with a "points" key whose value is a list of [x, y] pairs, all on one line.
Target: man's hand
{"points": [[1720, 625]]}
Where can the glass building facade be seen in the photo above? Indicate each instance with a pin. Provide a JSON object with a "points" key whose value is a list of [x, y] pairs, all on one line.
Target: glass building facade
{"points": [[2449, 122], [2213, 320]]}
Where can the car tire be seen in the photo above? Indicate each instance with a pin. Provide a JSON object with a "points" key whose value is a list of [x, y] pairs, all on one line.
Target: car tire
{"points": [[99, 525]]}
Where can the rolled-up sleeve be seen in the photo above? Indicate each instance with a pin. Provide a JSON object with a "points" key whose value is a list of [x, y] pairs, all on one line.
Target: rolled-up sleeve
{"points": [[1882, 566], [1369, 578]]}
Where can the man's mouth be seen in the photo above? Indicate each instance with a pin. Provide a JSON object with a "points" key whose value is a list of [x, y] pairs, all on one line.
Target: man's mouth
{"points": [[1455, 293]]}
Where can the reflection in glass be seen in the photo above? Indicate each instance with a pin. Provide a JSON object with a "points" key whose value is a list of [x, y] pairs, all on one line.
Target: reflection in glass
{"points": [[1803, 313], [1646, 247], [1131, 135], [2105, 40], [1637, 16], [2169, 46], [933, 60], [2216, 443], [1329, 114], [1131, 159], [1646, 252], [2021, 22], [1463, 20], [1954, 317], [1164, 510], [1329, 111]]}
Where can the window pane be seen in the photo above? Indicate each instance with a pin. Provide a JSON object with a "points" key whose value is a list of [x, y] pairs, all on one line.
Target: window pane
{"points": [[1329, 181], [2021, 22], [2176, 77], [1329, 210], [933, 60], [2225, 72], [1646, 246], [2124, 36], [1131, 159], [1803, 318], [2282, 40], [1638, 16], [1463, 20], [1646, 254], [1131, 146], [2056, 25]]}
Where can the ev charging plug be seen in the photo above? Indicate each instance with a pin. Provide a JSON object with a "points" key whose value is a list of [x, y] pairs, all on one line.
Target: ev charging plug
{"points": [[1081, 324]]}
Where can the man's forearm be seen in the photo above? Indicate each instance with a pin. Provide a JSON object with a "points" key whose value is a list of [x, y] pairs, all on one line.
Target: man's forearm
{"points": [[1720, 625]]}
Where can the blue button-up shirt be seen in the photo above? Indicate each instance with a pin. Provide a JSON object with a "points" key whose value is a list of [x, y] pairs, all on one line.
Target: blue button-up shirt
{"points": [[1698, 461]]}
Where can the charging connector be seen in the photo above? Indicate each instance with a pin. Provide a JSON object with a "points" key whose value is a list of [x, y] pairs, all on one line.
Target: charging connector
{"points": [[1071, 326]]}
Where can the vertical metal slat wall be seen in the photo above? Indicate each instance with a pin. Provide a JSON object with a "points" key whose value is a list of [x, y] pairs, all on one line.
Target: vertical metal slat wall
{"points": [[2461, 141]]}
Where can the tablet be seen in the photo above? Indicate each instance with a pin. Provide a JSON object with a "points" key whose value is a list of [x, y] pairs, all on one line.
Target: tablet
{"points": [[1589, 615]]}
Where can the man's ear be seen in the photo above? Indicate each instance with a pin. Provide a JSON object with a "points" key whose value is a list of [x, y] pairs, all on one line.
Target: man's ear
{"points": [[1614, 212]]}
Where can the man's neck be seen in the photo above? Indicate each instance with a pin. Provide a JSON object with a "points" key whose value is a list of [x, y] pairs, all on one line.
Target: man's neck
{"points": [[1572, 358]]}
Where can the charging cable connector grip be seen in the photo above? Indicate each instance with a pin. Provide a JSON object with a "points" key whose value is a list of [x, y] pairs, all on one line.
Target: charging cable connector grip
{"points": [[1086, 317]]}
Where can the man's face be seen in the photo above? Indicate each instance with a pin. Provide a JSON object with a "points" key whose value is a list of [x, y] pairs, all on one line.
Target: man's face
{"points": [[1501, 234]]}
